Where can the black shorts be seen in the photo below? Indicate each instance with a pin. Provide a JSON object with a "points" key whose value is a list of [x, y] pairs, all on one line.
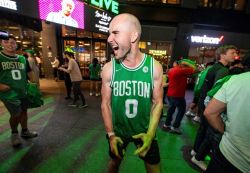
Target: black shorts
{"points": [[16, 107], [152, 157]]}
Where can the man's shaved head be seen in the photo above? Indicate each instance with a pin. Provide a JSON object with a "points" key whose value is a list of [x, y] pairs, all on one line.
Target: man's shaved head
{"points": [[131, 21]]}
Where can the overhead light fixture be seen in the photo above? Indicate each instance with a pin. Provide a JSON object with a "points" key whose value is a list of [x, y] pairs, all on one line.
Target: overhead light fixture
{"points": [[13, 27], [26, 42]]}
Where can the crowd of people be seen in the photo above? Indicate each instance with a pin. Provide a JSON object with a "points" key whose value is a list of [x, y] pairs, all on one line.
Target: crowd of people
{"points": [[132, 99]]}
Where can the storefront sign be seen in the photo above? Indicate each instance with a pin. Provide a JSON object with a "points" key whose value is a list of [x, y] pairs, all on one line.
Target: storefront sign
{"points": [[109, 5], [206, 40], [8, 4], [22, 7], [102, 21], [158, 52], [97, 20]]}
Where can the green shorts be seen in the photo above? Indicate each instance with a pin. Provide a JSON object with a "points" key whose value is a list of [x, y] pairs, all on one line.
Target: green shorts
{"points": [[16, 107]]}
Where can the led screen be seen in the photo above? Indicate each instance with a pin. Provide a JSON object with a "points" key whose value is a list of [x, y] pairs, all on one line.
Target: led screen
{"points": [[65, 12]]}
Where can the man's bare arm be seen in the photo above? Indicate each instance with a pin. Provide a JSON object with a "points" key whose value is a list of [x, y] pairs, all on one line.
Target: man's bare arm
{"points": [[106, 109], [212, 113], [155, 114], [106, 97], [157, 100]]}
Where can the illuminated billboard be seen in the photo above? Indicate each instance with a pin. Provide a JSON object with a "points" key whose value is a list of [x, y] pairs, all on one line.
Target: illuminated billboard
{"points": [[65, 12]]}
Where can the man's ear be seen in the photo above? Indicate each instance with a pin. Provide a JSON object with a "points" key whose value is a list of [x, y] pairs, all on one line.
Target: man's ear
{"points": [[134, 37]]}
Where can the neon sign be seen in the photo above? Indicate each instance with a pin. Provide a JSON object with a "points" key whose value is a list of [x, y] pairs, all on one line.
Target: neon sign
{"points": [[8, 4], [206, 40], [106, 4]]}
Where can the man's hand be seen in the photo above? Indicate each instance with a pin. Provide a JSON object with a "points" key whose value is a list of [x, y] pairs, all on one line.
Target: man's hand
{"points": [[114, 142], [146, 140], [60, 68], [4, 88]]}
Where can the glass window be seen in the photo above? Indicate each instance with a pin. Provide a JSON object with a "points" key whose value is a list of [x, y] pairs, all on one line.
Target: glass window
{"points": [[100, 51], [159, 50], [26, 38], [224, 4]]}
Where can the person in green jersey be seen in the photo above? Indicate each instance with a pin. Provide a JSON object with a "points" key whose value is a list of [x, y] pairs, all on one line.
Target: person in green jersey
{"points": [[13, 89], [94, 75], [131, 96]]}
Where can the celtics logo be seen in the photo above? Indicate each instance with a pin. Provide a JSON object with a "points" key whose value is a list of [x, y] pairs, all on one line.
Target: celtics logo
{"points": [[145, 69]]}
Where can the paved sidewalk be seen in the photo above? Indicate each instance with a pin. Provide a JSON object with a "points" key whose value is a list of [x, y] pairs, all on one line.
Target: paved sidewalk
{"points": [[73, 139]]}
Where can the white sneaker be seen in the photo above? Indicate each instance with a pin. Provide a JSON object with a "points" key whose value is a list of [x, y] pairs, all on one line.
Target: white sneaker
{"points": [[15, 140], [90, 94], [200, 164], [189, 114], [83, 106], [73, 105], [97, 94], [192, 153], [197, 119]]}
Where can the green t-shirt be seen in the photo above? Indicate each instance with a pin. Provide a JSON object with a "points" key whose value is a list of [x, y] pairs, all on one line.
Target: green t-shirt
{"points": [[199, 81], [131, 97], [13, 73], [94, 72]]}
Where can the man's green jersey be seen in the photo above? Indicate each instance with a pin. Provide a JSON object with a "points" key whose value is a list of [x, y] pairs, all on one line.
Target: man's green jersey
{"points": [[131, 97], [13, 73]]}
